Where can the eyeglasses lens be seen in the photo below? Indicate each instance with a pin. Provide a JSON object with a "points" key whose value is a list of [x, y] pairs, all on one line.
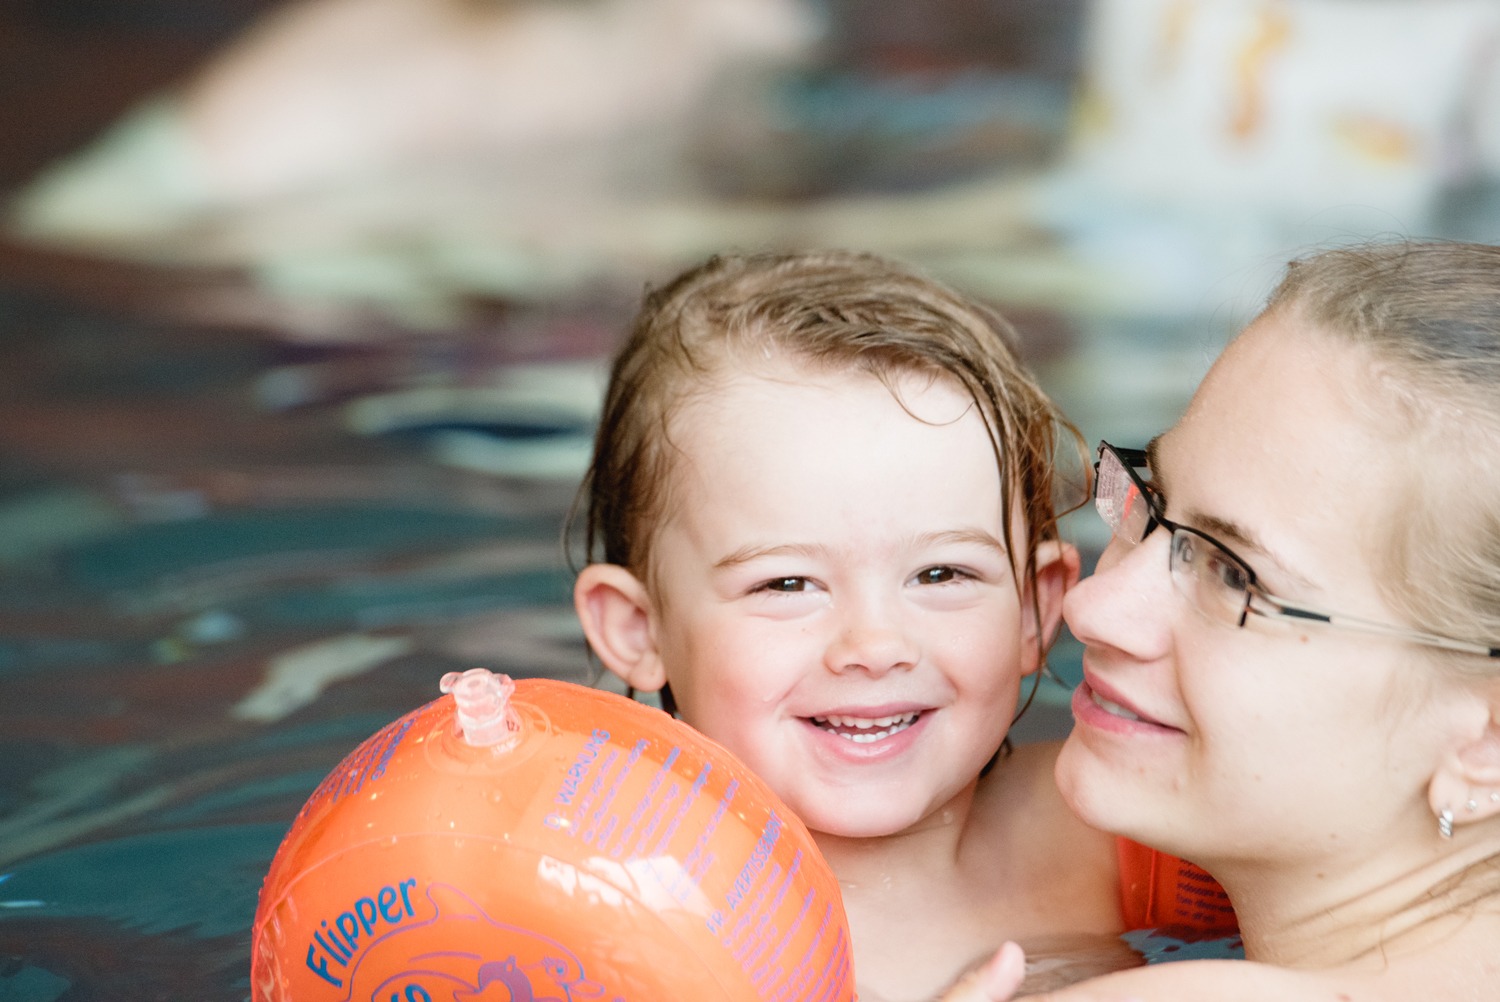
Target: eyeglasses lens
{"points": [[1212, 579], [1119, 500]]}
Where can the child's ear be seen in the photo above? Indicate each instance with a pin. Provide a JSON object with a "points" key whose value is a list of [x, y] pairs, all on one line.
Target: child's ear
{"points": [[1057, 570], [615, 611]]}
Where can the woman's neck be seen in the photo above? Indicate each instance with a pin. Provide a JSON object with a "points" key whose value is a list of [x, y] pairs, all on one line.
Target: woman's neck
{"points": [[1322, 917]]}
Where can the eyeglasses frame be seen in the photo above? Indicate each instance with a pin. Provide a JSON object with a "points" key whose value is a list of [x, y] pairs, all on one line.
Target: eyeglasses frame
{"points": [[1257, 599]]}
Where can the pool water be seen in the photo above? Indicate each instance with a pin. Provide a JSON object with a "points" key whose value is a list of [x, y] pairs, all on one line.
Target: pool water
{"points": [[208, 599], [204, 605], [237, 539], [207, 602]]}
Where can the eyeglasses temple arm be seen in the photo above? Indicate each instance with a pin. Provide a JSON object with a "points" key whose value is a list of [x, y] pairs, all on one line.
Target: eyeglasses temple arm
{"points": [[1417, 636]]}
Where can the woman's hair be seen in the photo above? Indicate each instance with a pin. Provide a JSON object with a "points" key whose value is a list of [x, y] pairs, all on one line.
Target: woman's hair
{"points": [[829, 311], [1428, 315]]}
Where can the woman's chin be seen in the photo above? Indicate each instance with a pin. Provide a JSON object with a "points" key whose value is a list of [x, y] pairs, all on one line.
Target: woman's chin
{"points": [[1089, 794]]}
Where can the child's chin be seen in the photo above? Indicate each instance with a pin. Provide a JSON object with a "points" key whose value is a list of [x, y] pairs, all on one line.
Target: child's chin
{"points": [[863, 824]]}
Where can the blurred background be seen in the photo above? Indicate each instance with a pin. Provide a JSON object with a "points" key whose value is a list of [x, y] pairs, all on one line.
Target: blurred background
{"points": [[305, 307]]}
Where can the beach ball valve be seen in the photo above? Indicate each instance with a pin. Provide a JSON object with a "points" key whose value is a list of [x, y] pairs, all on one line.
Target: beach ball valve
{"points": [[481, 701], [540, 841]]}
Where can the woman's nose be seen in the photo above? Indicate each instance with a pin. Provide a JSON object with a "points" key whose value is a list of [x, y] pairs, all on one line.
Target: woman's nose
{"points": [[872, 638], [1127, 602]]}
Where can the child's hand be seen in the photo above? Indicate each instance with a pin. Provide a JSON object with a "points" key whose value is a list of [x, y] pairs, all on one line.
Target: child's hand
{"points": [[996, 981]]}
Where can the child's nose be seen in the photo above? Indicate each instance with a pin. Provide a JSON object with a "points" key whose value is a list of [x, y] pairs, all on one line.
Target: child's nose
{"points": [[872, 639]]}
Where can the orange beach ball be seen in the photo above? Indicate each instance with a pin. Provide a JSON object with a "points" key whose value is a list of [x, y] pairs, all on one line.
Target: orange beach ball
{"points": [[539, 841]]}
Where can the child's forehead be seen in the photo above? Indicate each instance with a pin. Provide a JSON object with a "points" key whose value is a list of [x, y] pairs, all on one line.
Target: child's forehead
{"points": [[780, 417], [775, 445], [740, 379], [739, 402]]}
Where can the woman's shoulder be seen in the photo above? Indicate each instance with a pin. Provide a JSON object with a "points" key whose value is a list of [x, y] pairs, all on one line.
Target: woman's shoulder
{"points": [[1461, 967], [1195, 980], [1248, 981]]}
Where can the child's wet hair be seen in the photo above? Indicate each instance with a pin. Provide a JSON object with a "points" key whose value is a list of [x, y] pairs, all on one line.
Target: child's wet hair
{"points": [[830, 311]]}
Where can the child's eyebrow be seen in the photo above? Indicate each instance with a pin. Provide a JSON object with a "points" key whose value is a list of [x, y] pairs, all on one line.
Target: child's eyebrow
{"points": [[745, 554], [946, 537], [975, 537]]}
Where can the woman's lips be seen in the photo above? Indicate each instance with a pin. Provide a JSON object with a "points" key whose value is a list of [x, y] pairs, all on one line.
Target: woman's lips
{"points": [[1113, 707], [1108, 711]]}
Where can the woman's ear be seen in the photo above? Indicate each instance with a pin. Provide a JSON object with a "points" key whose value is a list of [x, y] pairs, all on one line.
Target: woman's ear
{"points": [[1057, 570], [1467, 781], [615, 610]]}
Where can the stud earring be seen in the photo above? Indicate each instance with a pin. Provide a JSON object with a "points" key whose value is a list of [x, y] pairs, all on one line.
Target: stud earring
{"points": [[1445, 823], [1471, 806], [1495, 798]]}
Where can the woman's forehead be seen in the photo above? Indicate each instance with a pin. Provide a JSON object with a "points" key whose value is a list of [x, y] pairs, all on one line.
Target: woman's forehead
{"points": [[1274, 371], [1274, 442]]}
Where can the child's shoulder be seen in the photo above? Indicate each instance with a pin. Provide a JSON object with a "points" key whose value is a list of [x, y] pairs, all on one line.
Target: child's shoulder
{"points": [[1026, 771], [1064, 874], [1018, 804]]}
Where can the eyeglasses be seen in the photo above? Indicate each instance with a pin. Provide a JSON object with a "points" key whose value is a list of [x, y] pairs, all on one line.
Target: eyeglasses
{"points": [[1206, 572]]}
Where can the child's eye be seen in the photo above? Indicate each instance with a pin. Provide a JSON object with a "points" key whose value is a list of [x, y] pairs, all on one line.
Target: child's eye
{"points": [[783, 585], [938, 575]]}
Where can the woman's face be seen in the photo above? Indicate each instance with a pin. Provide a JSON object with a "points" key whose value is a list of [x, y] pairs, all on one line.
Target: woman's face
{"points": [[1276, 740]]}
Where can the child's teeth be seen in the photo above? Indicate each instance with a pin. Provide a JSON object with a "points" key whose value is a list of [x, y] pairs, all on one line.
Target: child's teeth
{"points": [[866, 729], [864, 723]]}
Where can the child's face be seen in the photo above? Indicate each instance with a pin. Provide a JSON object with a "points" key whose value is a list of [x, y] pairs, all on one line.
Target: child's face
{"points": [[833, 598]]}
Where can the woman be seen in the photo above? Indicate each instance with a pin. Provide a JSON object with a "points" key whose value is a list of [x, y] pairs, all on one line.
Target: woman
{"points": [[1291, 670]]}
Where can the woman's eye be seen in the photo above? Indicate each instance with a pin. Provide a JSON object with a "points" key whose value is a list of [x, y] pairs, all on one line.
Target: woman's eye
{"points": [[1230, 574], [938, 575], [1213, 564], [784, 585]]}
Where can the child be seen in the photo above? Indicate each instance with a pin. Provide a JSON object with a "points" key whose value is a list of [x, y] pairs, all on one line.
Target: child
{"points": [[821, 506]]}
